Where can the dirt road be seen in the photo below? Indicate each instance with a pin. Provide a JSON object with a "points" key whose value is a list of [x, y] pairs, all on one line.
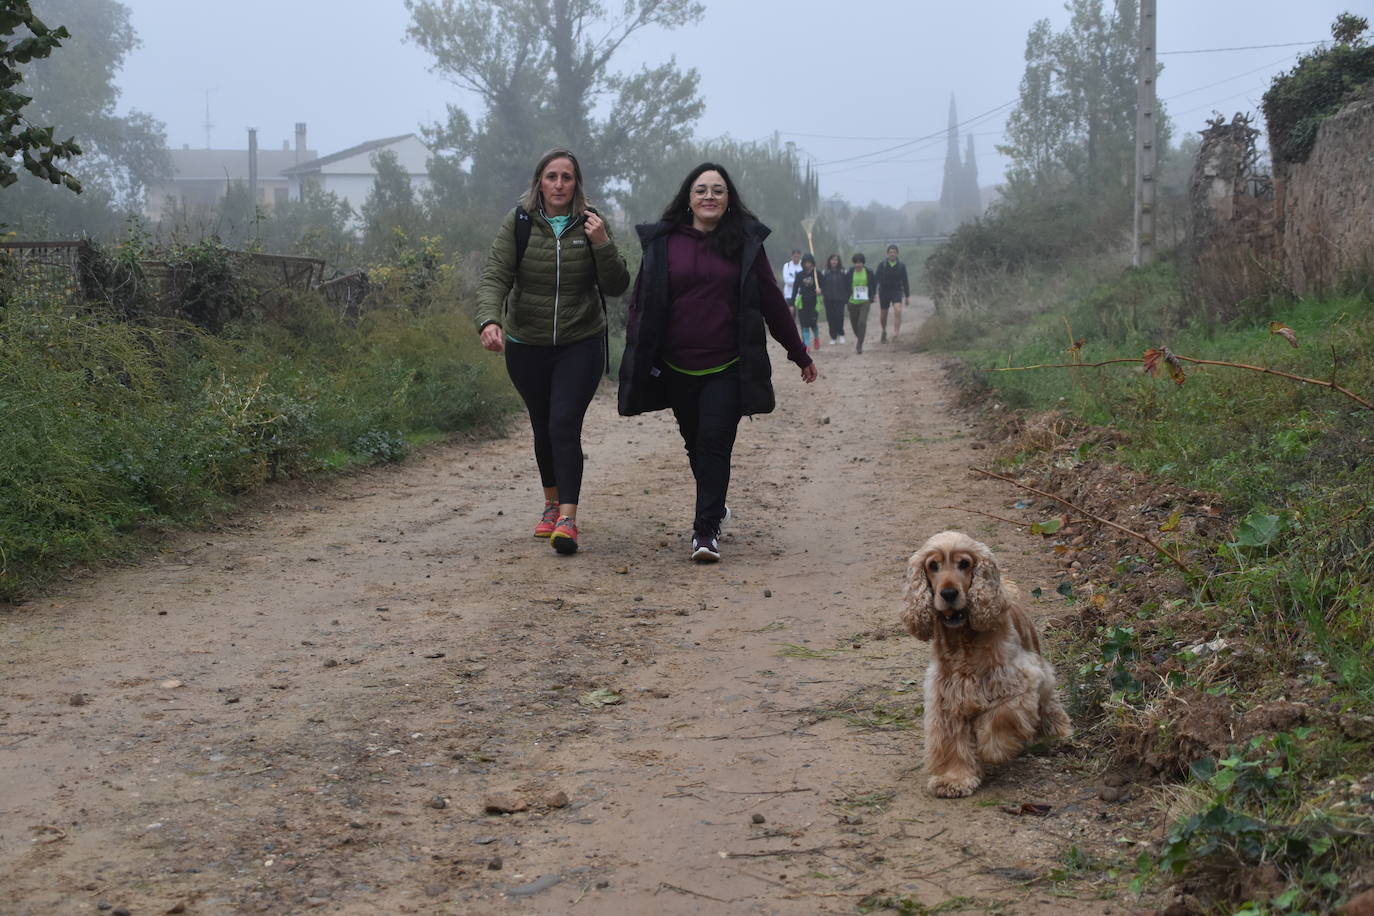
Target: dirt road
{"points": [[314, 706]]}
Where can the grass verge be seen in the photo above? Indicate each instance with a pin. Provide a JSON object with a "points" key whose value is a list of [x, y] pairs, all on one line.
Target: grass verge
{"points": [[1246, 683], [113, 426]]}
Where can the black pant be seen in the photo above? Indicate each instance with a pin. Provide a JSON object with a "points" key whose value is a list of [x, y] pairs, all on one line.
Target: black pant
{"points": [[707, 408], [557, 384], [834, 316]]}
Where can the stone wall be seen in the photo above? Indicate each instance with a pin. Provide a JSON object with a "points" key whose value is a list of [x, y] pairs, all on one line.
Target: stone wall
{"points": [[1327, 216], [1310, 231], [1235, 250]]}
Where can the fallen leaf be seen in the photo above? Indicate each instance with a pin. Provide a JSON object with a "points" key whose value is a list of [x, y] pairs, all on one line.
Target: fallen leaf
{"points": [[1028, 809], [601, 696], [1284, 331]]}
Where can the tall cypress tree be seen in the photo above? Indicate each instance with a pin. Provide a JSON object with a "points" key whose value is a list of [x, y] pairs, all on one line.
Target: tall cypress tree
{"points": [[951, 188], [972, 197]]}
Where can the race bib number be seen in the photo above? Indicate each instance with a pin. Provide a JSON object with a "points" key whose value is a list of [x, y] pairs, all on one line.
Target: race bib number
{"points": [[860, 292]]}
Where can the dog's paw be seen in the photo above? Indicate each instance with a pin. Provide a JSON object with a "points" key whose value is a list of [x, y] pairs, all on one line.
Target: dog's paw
{"points": [[1056, 725], [952, 786]]}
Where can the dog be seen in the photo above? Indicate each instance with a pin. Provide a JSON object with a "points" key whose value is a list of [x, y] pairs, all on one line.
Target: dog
{"points": [[988, 691]]}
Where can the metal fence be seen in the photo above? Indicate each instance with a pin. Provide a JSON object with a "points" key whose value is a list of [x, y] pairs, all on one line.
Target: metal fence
{"points": [[52, 270], [37, 270]]}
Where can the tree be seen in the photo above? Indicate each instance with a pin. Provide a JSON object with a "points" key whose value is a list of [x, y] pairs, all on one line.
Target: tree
{"points": [[769, 175], [76, 89], [972, 196], [541, 69], [316, 226], [1074, 122], [19, 136], [1038, 128], [390, 205], [950, 203]]}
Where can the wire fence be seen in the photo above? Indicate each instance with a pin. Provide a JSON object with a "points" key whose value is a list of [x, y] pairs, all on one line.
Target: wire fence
{"points": [[52, 272]]}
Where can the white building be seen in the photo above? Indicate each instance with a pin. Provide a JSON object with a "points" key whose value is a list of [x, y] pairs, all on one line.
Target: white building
{"points": [[349, 174], [201, 177]]}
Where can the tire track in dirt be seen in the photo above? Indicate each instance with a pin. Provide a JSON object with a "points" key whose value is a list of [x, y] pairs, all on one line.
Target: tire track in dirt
{"points": [[309, 707]]}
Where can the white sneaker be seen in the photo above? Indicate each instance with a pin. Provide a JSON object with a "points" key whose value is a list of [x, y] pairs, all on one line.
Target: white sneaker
{"points": [[841, 338]]}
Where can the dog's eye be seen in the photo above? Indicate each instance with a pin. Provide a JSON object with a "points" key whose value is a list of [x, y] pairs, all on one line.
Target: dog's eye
{"points": [[933, 566], [965, 564]]}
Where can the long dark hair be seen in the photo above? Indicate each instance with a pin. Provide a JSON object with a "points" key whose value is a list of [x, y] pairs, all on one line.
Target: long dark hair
{"points": [[728, 236], [838, 266]]}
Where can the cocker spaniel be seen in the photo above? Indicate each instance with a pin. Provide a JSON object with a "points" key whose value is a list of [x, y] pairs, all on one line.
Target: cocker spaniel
{"points": [[988, 691]]}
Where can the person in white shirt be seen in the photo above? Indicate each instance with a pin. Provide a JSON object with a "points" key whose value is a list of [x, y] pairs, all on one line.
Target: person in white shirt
{"points": [[789, 273]]}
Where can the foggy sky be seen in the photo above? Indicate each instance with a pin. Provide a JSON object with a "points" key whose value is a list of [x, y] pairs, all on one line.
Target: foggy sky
{"points": [[842, 80]]}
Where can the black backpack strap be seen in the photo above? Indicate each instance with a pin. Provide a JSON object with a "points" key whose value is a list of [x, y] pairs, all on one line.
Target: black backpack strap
{"points": [[523, 226]]}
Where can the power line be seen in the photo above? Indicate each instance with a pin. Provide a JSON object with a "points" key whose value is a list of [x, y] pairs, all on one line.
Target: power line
{"points": [[1179, 95], [1291, 44], [936, 135], [793, 133]]}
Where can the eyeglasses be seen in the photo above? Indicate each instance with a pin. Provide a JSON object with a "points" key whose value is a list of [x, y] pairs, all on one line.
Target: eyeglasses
{"points": [[715, 190]]}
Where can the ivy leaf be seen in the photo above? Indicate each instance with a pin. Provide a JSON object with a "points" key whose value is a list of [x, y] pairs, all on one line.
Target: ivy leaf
{"points": [[1258, 530], [1065, 588], [1049, 526]]}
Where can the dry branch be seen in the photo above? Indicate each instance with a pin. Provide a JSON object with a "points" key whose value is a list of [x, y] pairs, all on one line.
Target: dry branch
{"points": [[1171, 357], [1177, 561]]}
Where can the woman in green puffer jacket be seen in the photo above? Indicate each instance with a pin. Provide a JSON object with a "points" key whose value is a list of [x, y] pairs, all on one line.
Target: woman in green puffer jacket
{"points": [[540, 302]]}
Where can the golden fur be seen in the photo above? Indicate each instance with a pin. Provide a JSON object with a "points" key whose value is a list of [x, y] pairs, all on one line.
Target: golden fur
{"points": [[988, 691]]}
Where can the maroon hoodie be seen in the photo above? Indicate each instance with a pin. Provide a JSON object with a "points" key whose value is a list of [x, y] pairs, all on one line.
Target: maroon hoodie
{"points": [[703, 323]]}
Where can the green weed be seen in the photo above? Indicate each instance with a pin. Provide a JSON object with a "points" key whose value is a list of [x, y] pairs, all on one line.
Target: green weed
{"points": [[115, 425]]}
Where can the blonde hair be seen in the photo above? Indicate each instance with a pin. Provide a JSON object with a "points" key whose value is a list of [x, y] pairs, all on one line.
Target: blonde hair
{"points": [[533, 199]]}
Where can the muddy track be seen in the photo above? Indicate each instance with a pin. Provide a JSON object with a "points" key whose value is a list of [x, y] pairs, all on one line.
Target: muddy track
{"points": [[312, 706]]}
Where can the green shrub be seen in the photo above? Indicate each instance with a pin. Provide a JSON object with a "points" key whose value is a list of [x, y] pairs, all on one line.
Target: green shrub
{"points": [[112, 426], [1320, 83]]}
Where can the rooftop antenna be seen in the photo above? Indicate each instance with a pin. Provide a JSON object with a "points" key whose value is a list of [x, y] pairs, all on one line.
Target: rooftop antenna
{"points": [[208, 125]]}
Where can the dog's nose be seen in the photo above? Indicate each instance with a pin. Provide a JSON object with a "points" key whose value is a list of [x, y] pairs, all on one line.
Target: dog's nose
{"points": [[949, 595]]}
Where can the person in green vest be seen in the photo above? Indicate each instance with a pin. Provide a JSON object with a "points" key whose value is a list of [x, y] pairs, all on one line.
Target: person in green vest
{"points": [[863, 287]]}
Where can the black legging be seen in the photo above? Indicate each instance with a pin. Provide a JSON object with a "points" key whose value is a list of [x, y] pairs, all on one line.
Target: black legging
{"points": [[707, 408], [834, 316], [557, 384]]}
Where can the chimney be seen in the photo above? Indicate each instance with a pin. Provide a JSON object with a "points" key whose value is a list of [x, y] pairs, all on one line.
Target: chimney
{"points": [[253, 165], [300, 142], [286, 146]]}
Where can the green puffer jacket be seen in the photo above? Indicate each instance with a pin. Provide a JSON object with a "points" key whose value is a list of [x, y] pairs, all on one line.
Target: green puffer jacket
{"points": [[553, 299]]}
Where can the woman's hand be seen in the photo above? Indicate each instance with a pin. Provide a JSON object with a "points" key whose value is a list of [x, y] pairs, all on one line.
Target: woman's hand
{"points": [[809, 373], [595, 227], [492, 338]]}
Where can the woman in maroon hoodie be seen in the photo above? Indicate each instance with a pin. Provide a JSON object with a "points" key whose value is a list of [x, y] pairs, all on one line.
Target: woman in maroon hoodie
{"points": [[696, 341]]}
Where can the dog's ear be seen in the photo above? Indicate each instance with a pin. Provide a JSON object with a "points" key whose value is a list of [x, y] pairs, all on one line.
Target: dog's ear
{"points": [[918, 613], [987, 603]]}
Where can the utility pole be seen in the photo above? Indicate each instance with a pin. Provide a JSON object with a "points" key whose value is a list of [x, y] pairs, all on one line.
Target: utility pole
{"points": [[1145, 137], [253, 165]]}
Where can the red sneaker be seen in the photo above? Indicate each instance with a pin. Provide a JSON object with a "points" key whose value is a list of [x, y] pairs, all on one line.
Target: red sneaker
{"points": [[564, 537], [548, 522]]}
